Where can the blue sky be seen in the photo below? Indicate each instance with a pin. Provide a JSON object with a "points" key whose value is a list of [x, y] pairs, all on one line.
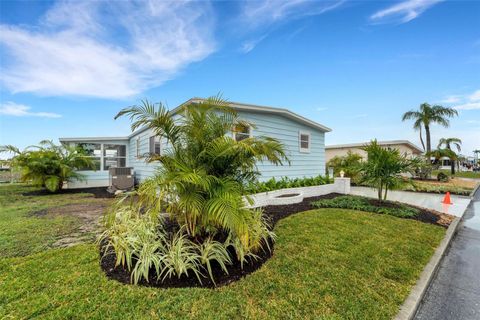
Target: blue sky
{"points": [[354, 66]]}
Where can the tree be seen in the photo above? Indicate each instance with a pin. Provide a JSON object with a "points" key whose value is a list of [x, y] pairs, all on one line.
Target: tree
{"points": [[428, 115], [448, 143], [383, 168], [476, 152], [350, 164], [202, 175], [440, 153], [48, 165]]}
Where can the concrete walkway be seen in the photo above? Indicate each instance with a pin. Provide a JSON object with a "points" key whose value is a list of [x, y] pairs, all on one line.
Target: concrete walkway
{"points": [[425, 200], [455, 291]]}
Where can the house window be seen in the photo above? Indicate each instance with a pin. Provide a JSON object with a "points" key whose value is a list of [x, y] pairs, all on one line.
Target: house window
{"points": [[93, 151], [114, 156], [155, 145], [304, 141], [241, 132], [137, 147]]}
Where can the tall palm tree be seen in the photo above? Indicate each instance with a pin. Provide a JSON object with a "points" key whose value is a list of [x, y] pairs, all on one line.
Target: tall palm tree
{"points": [[428, 115], [476, 152], [448, 143]]}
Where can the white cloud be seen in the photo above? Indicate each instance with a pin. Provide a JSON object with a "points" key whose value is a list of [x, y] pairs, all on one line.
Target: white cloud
{"points": [[404, 11], [249, 45], [129, 47], [270, 11], [265, 14], [19, 110], [469, 106], [469, 101], [475, 96], [451, 99]]}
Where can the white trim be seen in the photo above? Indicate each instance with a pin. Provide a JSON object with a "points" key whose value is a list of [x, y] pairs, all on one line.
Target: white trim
{"points": [[252, 107], [250, 132], [137, 147], [304, 133], [381, 143]]}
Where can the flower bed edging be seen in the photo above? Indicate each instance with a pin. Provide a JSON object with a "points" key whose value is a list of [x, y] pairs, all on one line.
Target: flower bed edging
{"points": [[340, 185]]}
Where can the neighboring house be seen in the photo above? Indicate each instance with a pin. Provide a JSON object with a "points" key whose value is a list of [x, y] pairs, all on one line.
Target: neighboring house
{"points": [[303, 139], [405, 147]]}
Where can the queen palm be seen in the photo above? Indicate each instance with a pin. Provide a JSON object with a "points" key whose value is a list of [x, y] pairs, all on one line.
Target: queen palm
{"points": [[428, 115], [448, 143]]}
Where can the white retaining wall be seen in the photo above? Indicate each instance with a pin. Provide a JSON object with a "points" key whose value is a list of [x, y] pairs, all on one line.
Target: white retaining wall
{"points": [[340, 185]]}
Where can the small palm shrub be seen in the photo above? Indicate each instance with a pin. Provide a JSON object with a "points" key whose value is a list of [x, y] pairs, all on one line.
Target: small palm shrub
{"points": [[365, 204], [350, 164], [49, 165], [442, 177], [384, 168], [285, 182]]}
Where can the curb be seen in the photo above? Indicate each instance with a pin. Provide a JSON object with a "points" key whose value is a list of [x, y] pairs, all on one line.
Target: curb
{"points": [[411, 304]]}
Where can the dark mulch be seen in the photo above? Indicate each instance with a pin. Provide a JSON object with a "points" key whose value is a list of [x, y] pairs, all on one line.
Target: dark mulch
{"points": [[235, 272], [97, 192]]}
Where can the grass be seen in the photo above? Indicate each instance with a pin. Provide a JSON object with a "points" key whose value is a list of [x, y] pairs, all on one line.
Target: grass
{"points": [[328, 263], [22, 233], [465, 174], [455, 186]]}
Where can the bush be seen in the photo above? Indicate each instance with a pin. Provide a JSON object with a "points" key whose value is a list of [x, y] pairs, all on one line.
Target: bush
{"points": [[349, 164], [273, 184], [49, 166], [442, 177], [368, 205]]}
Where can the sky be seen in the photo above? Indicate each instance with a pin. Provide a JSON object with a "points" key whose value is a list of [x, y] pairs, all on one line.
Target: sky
{"points": [[67, 67]]}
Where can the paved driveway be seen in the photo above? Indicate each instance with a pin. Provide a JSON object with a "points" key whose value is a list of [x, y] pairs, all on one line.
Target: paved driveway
{"points": [[455, 291], [426, 200]]}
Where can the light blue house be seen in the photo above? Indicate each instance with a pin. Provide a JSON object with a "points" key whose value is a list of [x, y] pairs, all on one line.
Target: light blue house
{"points": [[304, 141]]}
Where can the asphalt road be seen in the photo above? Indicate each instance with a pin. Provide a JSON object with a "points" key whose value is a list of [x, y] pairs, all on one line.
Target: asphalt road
{"points": [[455, 291]]}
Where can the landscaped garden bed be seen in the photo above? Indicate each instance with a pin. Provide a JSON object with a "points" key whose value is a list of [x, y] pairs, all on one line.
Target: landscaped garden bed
{"points": [[274, 213]]}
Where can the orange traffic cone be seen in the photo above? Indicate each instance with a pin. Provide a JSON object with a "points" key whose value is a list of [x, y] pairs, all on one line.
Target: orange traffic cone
{"points": [[446, 199]]}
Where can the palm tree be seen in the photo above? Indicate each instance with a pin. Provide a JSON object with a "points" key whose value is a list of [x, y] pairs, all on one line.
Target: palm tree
{"points": [[48, 166], [476, 152], [448, 143], [427, 115], [204, 172]]}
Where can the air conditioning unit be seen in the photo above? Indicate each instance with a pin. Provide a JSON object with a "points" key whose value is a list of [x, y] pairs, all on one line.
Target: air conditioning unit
{"points": [[120, 179]]}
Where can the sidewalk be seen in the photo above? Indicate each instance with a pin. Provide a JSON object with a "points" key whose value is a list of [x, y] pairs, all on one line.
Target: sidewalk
{"points": [[425, 200], [455, 291]]}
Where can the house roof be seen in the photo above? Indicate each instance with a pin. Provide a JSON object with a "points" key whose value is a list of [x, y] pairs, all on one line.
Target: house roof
{"points": [[82, 139], [236, 105], [263, 109], [382, 143]]}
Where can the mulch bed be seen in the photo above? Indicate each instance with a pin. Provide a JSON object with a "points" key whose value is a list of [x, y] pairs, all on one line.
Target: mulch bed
{"points": [[275, 213], [97, 192]]}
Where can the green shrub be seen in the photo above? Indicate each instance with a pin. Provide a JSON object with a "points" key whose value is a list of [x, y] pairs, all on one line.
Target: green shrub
{"points": [[349, 164], [368, 205], [285, 182], [49, 165], [442, 177]]}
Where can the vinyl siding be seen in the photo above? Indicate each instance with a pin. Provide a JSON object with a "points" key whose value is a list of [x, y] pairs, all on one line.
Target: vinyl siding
{"points": [[142, 169], [275, 126], [287, 131]]}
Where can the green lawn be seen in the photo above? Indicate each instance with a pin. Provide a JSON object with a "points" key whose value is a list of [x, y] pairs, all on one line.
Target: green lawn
{"points": [[467, 174], [328, 263], [23, 234]]}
